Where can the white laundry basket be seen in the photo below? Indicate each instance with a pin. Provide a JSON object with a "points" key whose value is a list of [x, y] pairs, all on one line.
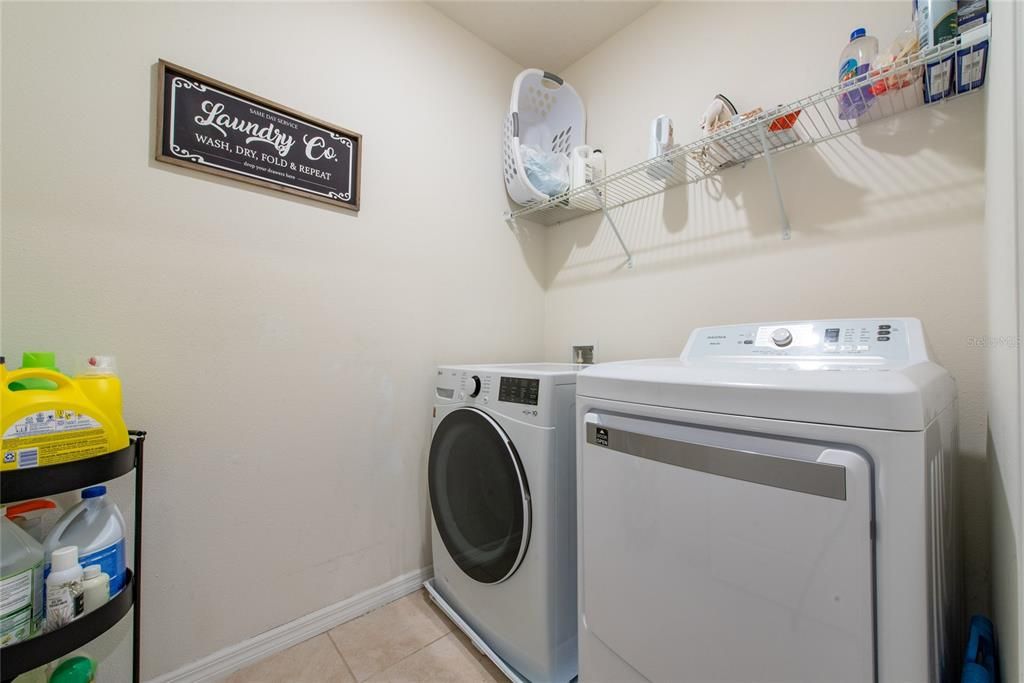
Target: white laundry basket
{"points": [[547, 113]]}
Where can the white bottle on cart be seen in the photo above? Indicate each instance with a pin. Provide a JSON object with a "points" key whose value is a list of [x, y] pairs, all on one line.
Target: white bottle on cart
{"points": [[64, 599], [95, 587], [97, 527]]}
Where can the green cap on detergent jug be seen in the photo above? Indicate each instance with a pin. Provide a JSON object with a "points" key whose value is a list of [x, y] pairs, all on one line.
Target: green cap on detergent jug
{"points": [[43, 360], [75, 670], [39, 359]]}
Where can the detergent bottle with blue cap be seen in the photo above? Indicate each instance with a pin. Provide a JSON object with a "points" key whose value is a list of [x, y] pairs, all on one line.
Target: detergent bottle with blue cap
{"points": [[97, 527]]}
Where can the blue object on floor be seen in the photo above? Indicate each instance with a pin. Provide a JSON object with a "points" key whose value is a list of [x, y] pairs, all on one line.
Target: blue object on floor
{"points": [[980, 658]]}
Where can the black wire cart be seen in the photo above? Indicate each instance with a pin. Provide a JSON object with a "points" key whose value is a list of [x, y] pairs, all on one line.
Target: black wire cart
{"points": [[36, 482]]}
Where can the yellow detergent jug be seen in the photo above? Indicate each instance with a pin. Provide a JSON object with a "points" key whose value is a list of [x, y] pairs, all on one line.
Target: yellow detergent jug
{"points": [[78, 418]]}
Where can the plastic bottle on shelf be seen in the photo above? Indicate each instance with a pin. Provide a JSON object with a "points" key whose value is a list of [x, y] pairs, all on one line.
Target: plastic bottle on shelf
{"points": [[79, 669], [21, 588], [598, 166], [588, 167], [97, 528], [36, 517], [58, 419], [854, 62], [95, 587], [64, 599]]}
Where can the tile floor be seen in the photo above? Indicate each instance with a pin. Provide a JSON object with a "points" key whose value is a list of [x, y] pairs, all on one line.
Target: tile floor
{"points": [[407, 641]]}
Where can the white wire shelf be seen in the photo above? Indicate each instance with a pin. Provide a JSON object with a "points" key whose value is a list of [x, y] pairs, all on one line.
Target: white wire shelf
{"points": [[807, 121]]}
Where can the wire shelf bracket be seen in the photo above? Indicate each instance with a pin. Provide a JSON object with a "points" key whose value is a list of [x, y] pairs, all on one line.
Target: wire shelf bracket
{"points": [[770, 163], [615, 229], [510, 220]]}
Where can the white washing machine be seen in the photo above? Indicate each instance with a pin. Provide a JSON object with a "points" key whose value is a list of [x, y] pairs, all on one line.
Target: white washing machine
{"points": [[502, 480], [774, 505]]}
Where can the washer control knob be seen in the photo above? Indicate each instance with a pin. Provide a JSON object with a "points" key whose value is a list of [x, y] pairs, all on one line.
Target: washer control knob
{"points": [[473, 386], [782, 337]]}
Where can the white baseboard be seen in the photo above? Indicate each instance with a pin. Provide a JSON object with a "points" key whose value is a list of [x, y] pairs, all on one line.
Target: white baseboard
{"points": [[223, 662]]}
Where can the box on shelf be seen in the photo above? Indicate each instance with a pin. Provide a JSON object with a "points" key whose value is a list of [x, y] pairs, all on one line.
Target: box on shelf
{"points": [[970, 14], [936, 24], [972, 59]]}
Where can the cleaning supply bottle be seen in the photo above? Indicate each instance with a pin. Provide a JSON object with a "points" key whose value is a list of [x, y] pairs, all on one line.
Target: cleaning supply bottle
{"points": [[97, 528], [854, 62], [21, 583], [36, 517], [76, 419], [80, 669], [95, 587], [598, 166], [588, 167], [64, 599]]}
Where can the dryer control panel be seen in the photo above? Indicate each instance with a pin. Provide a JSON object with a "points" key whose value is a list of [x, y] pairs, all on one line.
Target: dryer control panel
{"points": [[862, 343]]}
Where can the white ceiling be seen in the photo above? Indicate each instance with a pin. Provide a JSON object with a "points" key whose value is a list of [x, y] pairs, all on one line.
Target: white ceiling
{"points": [[543, 35]]}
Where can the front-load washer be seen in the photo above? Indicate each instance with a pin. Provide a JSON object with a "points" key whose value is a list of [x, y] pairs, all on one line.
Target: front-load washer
{"points": [[502, 484], [774, 505]]}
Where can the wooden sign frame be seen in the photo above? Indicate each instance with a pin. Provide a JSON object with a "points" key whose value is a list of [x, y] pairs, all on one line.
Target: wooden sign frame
{"points": [[306, 153]]}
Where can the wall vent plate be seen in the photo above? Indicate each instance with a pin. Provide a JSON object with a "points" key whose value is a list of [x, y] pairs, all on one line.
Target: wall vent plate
{"points": [[583, 354]]}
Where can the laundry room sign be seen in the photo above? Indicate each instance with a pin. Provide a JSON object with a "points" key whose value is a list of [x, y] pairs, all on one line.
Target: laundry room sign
{"points": [[206, 125]]}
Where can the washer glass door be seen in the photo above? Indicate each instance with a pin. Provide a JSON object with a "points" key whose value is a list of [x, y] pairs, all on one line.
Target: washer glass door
{"points": [[479, 495]]}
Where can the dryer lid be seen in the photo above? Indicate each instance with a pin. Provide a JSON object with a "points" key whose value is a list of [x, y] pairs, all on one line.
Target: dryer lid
{"points": [[869, 373]]}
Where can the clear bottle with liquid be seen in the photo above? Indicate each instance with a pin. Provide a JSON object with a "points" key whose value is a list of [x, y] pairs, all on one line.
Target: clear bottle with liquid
{"points": [[854, 63]]}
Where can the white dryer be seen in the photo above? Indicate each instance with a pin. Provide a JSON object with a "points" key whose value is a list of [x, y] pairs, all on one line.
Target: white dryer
{"points": [[502, 483], [774, 505]]}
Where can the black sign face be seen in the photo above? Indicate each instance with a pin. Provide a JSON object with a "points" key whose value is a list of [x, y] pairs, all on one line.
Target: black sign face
{"points": [[519, 390], [210, 126]]}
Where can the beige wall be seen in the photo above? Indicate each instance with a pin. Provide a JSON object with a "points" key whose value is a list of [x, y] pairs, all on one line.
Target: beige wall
{"points": [[1004, 222], [279, 352], [888, 221], [273, 345]]}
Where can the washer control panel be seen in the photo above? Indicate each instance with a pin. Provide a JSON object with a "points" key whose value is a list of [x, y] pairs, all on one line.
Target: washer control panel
{"points": [[456, 384], [518, 395], [519, 390], [876, 342]]}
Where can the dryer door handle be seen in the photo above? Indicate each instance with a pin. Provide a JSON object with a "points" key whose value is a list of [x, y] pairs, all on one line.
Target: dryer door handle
{"points": [[821, 478]]}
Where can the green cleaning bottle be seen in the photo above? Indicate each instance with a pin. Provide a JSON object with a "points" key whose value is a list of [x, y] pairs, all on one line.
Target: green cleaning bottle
{"points": [[75, 670]]}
